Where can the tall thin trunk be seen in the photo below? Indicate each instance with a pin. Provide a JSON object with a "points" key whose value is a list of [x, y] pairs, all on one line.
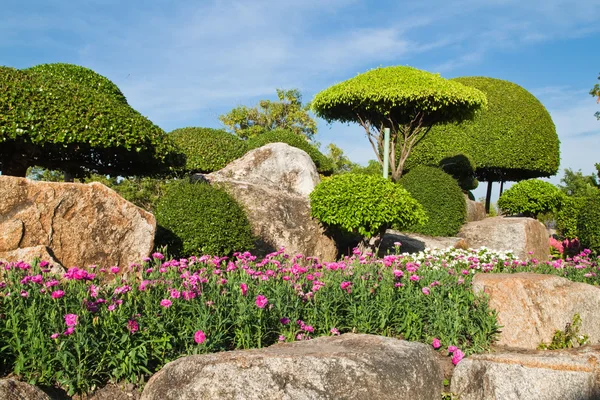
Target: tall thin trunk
{"points": [[488, 197]]}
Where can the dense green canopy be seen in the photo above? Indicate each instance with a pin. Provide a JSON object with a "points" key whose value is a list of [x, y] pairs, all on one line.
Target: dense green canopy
{"points": [[77, 124], [514, 139]]}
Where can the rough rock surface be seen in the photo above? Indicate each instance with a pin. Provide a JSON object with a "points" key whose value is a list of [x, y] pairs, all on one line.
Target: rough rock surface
{"points": [[526, 237], [475, 210], [531, 307], [82, 224], [275, 165], [11, 389], [346, 367], [550, 375], [414, 243], [281, 219], [28, 254]]}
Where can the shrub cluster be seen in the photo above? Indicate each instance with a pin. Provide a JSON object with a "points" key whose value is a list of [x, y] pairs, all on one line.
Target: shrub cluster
{"points": [[530, 198], [197, 218], [588, 223], [323, 164], [441, 197], [567, 216]]}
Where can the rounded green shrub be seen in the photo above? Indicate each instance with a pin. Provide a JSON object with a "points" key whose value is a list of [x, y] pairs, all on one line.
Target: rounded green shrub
{"points": [[207, 149], [364, 204], [197, 218], [441, 197], [530, 198], [323, 164], [462, 168], [567, 216], [588, 223]]}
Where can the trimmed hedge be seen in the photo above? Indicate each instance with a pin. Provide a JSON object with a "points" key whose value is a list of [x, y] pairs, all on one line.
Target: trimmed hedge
{"points": [[462, 168], [441, 197], [323, 164], [530, 198], [588, 223], [207, 149], [567, 216], [197, 218], [514, 139]]}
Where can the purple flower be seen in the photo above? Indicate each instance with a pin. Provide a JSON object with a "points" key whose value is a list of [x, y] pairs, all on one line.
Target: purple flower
{"points": [[199, 337], [284, 321], [114, 270], [261, 301]]}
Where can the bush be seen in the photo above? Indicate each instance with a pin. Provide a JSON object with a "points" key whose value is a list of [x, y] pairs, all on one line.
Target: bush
{"points": [[567, 216], [200, 218], [323, 164], [462, 168], [530, 198], [207, 149], [588, 223], [441, 197], [364, 204]]}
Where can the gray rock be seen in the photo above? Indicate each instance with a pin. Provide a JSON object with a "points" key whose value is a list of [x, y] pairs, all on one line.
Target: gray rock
{"points": [[542, 375], [475, 210], [345, 367], [414, 243], [526, 237], [11, 389]]}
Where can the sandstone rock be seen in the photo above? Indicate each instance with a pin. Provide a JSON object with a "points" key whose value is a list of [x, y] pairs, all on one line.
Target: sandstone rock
{"points": [[521, 235], [275, 165], [538, 376], [28, 254], [475, 210], [11, 389], [80, 224], [346, 367], [531, 307], [281, 219], [414, 243]]}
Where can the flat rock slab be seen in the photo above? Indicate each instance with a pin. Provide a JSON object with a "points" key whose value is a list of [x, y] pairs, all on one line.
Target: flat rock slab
{"points": [[12, 389], [350, 366], [414, 243], [544, 375], [531, 307], [82, 224]]}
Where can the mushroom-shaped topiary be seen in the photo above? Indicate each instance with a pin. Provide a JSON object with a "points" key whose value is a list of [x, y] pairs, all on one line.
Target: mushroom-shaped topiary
{"points": [[406, 100], [364, 204], [530, 198]]}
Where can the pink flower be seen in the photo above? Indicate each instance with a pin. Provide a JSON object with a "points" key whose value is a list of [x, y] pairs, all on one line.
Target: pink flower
{"points": [[188, 295], [414, 278], [114, 270], [436, 343], [398, 273], [71, 320], [199, 337], [281, 338], [425, 290], [345, 285], [284, 321], [457, 356], [244, 288], [93, 291], [334, 331], [57, 294], [261, 301], [452, 349], [165, 303], [70, 330], [112, 307], [175, 294], [158, 256], [54, 336], [133, 326], [24, 293], [308, 328]]}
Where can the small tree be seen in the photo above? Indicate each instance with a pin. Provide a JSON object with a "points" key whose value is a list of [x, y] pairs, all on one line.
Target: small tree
{"points": [[531, 198], [364, 204], [288, 113], [595, 92], [406, 100]]}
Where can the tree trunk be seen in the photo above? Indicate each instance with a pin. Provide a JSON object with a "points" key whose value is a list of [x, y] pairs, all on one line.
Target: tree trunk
{"points": [[12, 168], [501, 188], [488, 197], [371, 245], [68, 176]]}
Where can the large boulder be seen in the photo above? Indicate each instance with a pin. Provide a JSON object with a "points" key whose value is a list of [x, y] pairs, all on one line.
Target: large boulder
{"points": [[565, 375], [12, 389], [272, 184], [526, 237], [81, 224], [350, 366], [532, 307], [29, 254], [275, 165], [475, 210], [414, 243]]}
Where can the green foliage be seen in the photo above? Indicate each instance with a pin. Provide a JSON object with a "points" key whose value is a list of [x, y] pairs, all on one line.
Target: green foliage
{"points": [[199, 218], [43, 174], [588, 223], [60, 124], [530, 198], [323, 164], [441, 197], [144, 192], [341, 163], [578, 185], [568, 338], [462, 168], [288, 113], [595, 92], [372, 168], [514, 139], [207, 149], [568, 215], [404, 99], [364, 204]]}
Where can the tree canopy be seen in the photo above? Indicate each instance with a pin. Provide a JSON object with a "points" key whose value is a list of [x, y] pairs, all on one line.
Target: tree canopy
{"points": [[69, 118], [288, 113], [595, 92], [578, 185], [406, 100]]}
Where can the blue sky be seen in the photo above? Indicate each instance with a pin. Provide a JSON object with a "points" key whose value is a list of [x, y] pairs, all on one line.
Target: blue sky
{"points": [[184, 63]]}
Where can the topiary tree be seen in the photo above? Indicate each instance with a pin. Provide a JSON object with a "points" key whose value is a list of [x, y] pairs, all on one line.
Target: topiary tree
{"points": [[406, 100], [76, 126], [462, 168], [207, 149], [530, 198], [364, 204], [514, 139], [440, 196], [588, 223], [323, 164], [197, 218]]}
